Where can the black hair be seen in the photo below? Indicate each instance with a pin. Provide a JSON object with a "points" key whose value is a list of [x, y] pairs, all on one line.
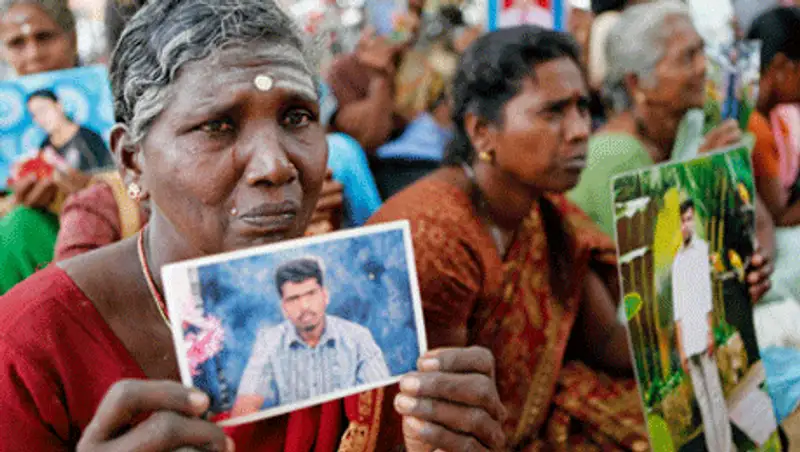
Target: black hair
{"points": [[779, 32], [601, 6], [452, 16], [491, 72], [686, 206], [44, 94], [297, 271]]}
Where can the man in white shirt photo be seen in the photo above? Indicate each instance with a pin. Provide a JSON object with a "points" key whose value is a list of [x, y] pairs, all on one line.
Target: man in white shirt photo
{"points": [[693, 306]]}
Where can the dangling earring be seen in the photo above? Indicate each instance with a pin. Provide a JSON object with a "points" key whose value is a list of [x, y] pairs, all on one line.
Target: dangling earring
{"points": [[486, 156], [639, 97], [134, 191]]}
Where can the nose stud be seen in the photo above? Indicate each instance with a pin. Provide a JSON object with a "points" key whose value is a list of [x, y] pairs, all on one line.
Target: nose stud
{"points": [[263, 82]]}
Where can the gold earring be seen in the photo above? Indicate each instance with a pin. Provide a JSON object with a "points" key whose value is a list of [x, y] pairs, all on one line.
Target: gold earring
{"points": [[486, 156], [639, 97], [135, 191]]}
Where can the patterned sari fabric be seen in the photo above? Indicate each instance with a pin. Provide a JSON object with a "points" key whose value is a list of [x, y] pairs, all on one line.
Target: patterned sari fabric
{"points": [[472, 296]]}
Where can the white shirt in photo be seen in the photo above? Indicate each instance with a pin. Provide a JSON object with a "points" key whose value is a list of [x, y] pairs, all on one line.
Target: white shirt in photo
{"points": [[692, 300]]}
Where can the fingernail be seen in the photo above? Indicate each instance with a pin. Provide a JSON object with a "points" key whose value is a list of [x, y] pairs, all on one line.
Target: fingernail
{"points": [[198, 400], [410, 384], [429, 365], [405, 404], [230, 446], [414, 424]]}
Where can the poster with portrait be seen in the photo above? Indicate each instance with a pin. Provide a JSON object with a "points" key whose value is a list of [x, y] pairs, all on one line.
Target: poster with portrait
{"points": [[685, 236], [732, 82], [273, 329], [53, 119], [545, 13]]}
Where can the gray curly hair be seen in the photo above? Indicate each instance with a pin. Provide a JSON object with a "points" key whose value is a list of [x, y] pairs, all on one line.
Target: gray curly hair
{"points": [[635, 46], [58, 10], [166, 34]]}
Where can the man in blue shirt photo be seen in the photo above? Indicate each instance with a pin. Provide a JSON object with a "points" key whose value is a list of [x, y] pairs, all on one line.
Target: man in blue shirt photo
{"points": [[309, 354]]}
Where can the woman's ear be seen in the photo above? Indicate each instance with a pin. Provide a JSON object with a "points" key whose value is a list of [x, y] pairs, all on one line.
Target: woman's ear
{"points": [[128, 158], [634, 88], [482, 134]]}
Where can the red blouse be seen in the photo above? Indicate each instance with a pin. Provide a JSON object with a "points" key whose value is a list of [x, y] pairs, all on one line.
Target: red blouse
{"points": [[58, 358]]}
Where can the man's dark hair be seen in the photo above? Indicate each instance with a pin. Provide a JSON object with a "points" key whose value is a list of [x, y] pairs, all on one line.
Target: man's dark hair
{"points": [[687, 206], [44, 94], [297, 271]]}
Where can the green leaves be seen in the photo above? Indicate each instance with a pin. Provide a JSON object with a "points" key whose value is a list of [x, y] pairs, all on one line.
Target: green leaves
{"points": [[633, 304]]}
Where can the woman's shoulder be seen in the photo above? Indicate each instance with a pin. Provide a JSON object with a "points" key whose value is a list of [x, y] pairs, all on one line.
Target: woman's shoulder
{"points": [[615, 143], [430, 202], [40, 307]]}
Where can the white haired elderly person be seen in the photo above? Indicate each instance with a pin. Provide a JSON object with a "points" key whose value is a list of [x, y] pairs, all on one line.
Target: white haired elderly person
{"points": [[217, 127], [656, 81]]}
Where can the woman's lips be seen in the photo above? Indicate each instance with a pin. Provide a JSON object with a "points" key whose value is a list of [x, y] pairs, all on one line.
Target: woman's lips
{"points": [[271, 218]]}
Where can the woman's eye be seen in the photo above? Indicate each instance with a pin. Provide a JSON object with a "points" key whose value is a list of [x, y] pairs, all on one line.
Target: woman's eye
{"points": [[217, 126], [298, 118]]}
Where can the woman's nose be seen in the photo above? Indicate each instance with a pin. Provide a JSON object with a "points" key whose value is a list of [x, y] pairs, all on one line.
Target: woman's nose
{"points": [[270, 165]]}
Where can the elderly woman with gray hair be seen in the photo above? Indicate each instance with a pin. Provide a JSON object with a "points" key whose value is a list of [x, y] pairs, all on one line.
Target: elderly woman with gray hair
{"points": [[656, 83], [218, 129], [655, 76]]}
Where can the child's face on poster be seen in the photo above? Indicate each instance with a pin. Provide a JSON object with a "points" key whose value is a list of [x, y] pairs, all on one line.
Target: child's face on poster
{"points": [[687, 224], [304, 303]]}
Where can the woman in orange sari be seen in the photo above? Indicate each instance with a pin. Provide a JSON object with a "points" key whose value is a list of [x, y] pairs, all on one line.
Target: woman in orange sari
{"points": [[506, 262]]}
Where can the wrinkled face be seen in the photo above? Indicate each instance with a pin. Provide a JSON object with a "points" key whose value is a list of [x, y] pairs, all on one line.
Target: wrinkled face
{"points": [[304, 303], [229, 164], [543, 138], [687, 225], [34, 43], [46, 113], [681, 74]]}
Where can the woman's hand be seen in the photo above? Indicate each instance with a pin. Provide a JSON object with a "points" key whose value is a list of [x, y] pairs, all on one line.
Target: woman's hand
{"points": [[724, 135], [758, 274], [173, 421], [30, 191], [452, 404], [377, 53]]}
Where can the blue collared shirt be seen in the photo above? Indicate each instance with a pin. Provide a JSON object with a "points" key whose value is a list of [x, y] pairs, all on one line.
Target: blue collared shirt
{"points": [[284, 369]]}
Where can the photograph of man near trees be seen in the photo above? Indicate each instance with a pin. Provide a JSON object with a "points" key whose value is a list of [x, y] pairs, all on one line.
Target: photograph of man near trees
{"points": [[685, 235]]}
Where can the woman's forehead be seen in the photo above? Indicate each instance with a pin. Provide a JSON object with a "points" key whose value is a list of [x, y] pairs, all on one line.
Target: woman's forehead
{"points": [[283, 64]]}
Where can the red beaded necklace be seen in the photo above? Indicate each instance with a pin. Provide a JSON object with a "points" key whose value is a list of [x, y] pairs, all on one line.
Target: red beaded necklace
{"points": [[148, 276]]}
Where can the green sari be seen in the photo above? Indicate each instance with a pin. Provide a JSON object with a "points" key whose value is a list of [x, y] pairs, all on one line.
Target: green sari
{"points": [[27, 240]]}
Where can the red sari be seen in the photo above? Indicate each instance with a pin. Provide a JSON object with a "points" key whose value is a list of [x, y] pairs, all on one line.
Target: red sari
{"points": [[473, 296], [58, 358]]}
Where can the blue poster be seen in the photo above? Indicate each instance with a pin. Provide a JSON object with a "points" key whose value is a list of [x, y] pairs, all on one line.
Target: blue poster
{"points": [[84, 96]]}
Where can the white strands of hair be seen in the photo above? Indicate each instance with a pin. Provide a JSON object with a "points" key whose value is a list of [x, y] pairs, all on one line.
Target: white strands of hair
{"points": [[636, 44], [167, 34]]}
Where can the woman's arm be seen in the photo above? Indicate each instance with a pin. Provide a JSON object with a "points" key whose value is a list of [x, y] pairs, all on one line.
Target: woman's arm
{"points": [[604, 339]]}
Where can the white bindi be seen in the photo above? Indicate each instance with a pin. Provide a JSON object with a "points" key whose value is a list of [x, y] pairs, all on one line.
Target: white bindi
{"points": [[263, 82]]}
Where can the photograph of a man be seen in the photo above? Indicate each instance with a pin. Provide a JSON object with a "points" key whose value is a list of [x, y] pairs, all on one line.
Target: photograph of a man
{"points": [[82, 148], [309, 354], [693, 305]]}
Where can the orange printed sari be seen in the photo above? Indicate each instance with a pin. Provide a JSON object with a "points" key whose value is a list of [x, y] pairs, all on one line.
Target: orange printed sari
{"points": [[473, 296]]}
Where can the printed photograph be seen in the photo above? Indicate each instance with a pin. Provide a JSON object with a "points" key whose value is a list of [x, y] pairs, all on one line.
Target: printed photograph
{"points": [[685, 235], [287, 326], [54, 121], [544, 13], [732, 80]]}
